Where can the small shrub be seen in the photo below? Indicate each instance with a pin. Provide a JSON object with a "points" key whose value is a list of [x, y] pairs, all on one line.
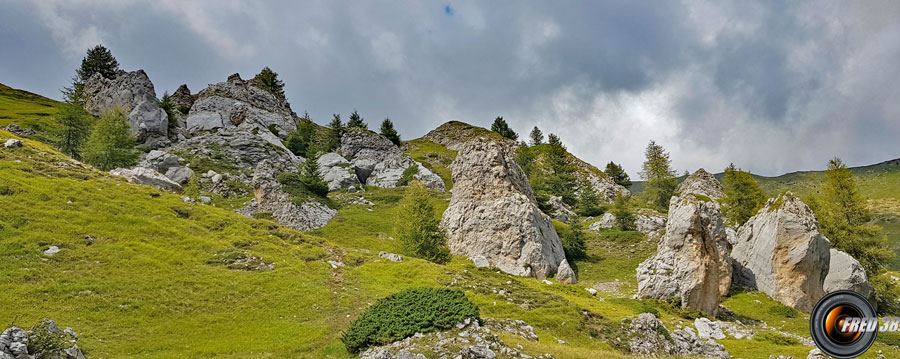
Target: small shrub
{"points": [[403, 314], [263, 215], [111, 143], [775, 338], [784, 311], [419, 229], [273, 129], [7, 191], [408, 175], [182, 212], [45, 341], [573, 241]]}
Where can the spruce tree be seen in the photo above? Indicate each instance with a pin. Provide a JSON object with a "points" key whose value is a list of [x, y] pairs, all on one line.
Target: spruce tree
{"points": [[73, 120], [617, 174], [743, 197], [310, 175], [356, 121], [624, 217], [553, 140], [537, 137], [268, 80], [387, 130], [98, 60], [302, 138], [589, 202], [166, 105], [574, 241], [336, 128], [419, 227], [659, 177], [111, 144], [562, 181], [500, 126]]}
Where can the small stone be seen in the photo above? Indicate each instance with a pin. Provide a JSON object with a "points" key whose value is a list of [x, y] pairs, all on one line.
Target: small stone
{"points": [[591, 290], [51, 251], [547, 281], [216, 178], [390, 256], [13, 143], [204, 199]]}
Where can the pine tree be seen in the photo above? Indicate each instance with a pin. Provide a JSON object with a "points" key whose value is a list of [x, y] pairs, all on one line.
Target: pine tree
{"points": [[617, 174], [111, 144], [166, 105], [337, 131], [419, 228], [743, 197], [841, 192], [268, 80], [624, 217], [537, 137], [98, 60], [562, 181], [310, 175], [302, 138], [356, 121], [387, 130], [659, 178], [73, 120], [500, 126], [589, 203], [574, 241], [553, 140]]}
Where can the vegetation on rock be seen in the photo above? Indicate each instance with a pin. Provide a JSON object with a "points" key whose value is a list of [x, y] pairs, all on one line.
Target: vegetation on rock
{"points": [[537, 137], [387, 130], [617, 174], [403, 314], [310, 175], [302, 138], [356, 121], [500, 126], [268, 80]]}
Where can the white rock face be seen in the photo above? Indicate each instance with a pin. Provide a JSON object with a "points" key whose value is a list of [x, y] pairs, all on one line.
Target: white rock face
{"points": [[565, 274], [692, 259], [378, 162], [134, 94], [707, 329], [12, 143], [270, 198], [607, 189], [647, 221], [846, 273], [239, 103], [702, 183], [561, 211], [148, 177], [780, 251], [168, 164], [493, 213], [336, 171]]}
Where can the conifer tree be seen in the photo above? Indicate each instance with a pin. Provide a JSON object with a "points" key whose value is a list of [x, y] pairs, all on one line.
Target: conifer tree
{"points": [[268, 80], [419, 228], [337, 131], [624, 217], [387, 130], [743, 197], [659, 177], [303, 137], [75, 130], [617, 174], [98, 60], [310, 176], [356, 121], [574, 240], [537, 137], [500, 126], [111, 144]]}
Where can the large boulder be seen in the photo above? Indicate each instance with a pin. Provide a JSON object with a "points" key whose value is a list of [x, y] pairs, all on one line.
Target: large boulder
{"points": [[649, 222], [181, 99], [148, 177], [271, 198], [133, 93], [701, 183], [238, 103], [336, 171], [780, 251], [238, 148], [493, 215], [168, 164], [692, 259], [605, 187], [646, 336], [377, 161], [846, 273], [559, 210]]}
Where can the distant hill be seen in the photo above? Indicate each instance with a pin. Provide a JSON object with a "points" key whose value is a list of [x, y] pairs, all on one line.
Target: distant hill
{"points": [[28, 110]]}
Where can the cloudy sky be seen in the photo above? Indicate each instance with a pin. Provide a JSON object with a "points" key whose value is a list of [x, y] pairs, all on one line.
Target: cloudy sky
{"points": [[773, 87]]}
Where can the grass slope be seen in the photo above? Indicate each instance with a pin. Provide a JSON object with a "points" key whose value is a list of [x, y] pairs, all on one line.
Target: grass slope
{"points": [[29, 111]]}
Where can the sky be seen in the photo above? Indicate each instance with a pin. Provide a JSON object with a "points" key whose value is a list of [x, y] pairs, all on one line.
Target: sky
{"points": [[773, 87]]}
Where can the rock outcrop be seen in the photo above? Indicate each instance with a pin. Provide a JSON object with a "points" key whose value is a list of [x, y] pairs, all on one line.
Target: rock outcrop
{"points": [[780, 251], [14, 342], [168, 164], [565, 274], [239, 148], [238, 103], [337, 172], [606, 188], [493, 215], [846, 273], [692, 259], [701, 183], [376, 161], [133, 93], [181, 99], [560, 211], [271, 198], [147, 177], [646, 221], [646, 336]]}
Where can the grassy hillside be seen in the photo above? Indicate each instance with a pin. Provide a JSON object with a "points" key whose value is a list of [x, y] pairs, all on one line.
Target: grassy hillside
{"points": [[30, 111]]}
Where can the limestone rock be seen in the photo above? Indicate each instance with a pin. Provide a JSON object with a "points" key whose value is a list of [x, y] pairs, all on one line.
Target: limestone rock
{"points": [[12, 143], [390, 256], [14, 343], [780, 251], [148, 177], [240, 148], [270, 198], [237, 103], [493, 213], [376, 161], [336, 171], [606, 188], [607, 221], [692, 259], [134, 94], [181, 99], [846, 273], [560, 210], [565, 274], [647, 221], [707, 329], [50, 252], [19, 131], [644, 337], [702, 183], [168, 164]]}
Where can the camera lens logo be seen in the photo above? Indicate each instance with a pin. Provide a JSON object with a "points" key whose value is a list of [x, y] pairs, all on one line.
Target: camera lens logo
{"points": [[843, 324]]}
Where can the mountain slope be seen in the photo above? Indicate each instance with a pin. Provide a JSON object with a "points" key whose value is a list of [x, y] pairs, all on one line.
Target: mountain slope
{"points": [[29, 111]]}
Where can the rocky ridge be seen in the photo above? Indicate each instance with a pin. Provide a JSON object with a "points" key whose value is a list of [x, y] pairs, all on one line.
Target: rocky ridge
{"points": [[134, 94]]}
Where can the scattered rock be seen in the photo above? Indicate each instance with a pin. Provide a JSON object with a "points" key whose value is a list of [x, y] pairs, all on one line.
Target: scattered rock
{"points": [[605, 187], [645, 335], [336, 171], [188, 200], [13, 143], [780, 252], [481, 262], [147, 177], [846, 273], [591, 290], [376, 161], [565, 274], [692, 260], [390, 256], [707, 329], [493, 213], [560, 211], [204, 199], [816, 353], [270, 198], [51, 251], [14, 342], [134, 94], [18, 131], [648, 222]]}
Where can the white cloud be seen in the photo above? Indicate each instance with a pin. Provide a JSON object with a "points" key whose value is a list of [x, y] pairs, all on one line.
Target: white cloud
{"points": [[71, 36]]}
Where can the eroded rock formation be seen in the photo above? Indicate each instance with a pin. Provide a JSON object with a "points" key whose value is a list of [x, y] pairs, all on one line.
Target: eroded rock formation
{"points": [[846, 273], [133, 93], [378, 162]]}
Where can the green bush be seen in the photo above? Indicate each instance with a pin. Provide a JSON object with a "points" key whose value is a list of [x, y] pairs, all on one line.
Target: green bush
{"points": [[403, 314], [45, 341], [775, 338], [573, 241], [111, 143], [784, 311], [408, 175]]}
